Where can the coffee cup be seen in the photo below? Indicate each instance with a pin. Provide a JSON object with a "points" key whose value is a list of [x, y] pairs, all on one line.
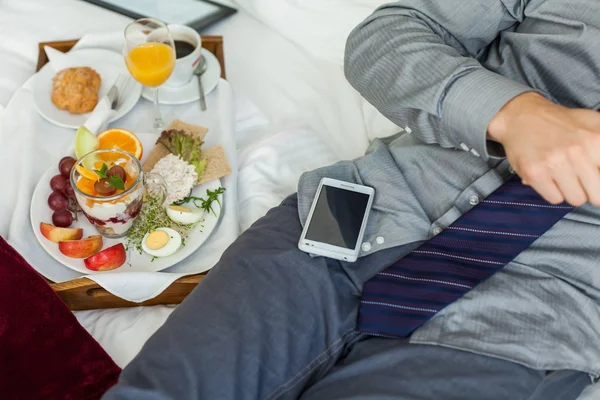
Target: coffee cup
{"points": [[188, 47]]}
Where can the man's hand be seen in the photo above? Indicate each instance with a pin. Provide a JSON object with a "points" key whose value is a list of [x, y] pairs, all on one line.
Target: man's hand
{"points": [[555, 150]]}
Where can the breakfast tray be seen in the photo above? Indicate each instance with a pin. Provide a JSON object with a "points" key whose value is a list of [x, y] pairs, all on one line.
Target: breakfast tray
{"points": [[85, 294]]}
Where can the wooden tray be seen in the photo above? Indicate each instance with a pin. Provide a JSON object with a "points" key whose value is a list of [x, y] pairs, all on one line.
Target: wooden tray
{"points": [[214, 44], [85, 294]]}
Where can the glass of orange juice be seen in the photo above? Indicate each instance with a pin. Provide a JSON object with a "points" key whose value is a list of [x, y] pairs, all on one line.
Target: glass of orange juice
{"points": [[149, 53]]}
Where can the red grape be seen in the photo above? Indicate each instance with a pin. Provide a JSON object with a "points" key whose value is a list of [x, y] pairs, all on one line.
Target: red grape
{"points": [[69, 191], [62, 218], [58, 183], [65, 165], [117, 170], [58, 201], [104, 188]]}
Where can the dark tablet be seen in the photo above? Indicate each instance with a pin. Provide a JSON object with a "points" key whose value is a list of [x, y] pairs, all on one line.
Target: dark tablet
{"points": [[197, 14]]}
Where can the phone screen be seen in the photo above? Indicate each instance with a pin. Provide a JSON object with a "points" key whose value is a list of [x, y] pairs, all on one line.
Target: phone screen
{"points": [[337, 217]]}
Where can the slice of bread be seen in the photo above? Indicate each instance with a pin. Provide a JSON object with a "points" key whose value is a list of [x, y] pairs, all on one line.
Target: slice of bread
{"points": [[217, 165], [193, 130], [159, 151]]}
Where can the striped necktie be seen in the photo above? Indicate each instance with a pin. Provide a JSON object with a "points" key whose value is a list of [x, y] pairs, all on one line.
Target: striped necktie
{"points": [[407, 294]]}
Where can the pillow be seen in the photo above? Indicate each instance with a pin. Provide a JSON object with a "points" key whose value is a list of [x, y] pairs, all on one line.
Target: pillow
{"points": [[44, 352], [319, 26]]}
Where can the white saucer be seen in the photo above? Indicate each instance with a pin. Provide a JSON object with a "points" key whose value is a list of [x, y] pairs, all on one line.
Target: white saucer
{"points": [[107, 64], [189, 92]]}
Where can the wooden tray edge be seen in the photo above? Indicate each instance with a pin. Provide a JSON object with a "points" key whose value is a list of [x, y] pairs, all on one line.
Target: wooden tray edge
{"points": [[214, 44], [85, 294]]}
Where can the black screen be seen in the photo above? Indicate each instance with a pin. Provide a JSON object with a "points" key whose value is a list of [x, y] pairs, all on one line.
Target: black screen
{"points": [[337, 217]]}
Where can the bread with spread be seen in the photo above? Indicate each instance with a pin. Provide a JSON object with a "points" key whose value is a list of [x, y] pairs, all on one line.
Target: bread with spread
{"points": [[185, 140]]}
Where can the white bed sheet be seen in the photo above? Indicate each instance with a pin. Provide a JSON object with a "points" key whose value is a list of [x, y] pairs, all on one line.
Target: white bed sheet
{"points": [[300, 114]]}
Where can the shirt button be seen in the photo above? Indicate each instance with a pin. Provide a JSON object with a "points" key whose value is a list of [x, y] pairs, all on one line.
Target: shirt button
{"points": [[366, 246], [511, 170], [407, 129], [474, 152], [474, 200], [380, 240], [464, 147], [437, 230]]}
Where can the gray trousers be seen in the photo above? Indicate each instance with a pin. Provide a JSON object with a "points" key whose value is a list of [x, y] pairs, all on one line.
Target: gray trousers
{"points": [[270, 322]]}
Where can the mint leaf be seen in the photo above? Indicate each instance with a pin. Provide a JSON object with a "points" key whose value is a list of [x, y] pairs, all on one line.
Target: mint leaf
{"points": [[116, 181], [103, 171]]}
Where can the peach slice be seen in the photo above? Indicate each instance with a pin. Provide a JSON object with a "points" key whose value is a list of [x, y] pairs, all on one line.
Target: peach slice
{"points": [[81, 248], [56, 234], [110, 258]]}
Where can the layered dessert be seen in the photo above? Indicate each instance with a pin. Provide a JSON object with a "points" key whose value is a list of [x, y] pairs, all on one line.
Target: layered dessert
{"points": [[109, 190]]}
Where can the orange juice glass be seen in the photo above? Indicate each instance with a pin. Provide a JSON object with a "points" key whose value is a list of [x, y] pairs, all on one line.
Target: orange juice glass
{"points": [[149, 53], [151, 64]]}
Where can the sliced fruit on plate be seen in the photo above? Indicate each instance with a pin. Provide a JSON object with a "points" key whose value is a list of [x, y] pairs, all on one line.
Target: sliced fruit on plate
{"points": [[82, 248], [85, 142], [121, 139], [109, 258], [56, 234]]}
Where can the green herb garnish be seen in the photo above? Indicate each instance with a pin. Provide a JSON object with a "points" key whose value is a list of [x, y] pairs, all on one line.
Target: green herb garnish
{"points": [[103, 171], [114, 181], [152, 217], [205, 204], [117, 182]]}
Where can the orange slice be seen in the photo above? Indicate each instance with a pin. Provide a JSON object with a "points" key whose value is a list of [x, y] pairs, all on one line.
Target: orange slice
{"points": [[129, 181], [120, 139], [86, 173], [87, 186]]}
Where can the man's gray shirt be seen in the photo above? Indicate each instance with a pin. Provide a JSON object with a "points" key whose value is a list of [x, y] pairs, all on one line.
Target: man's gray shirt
{"points": [[444, 68]]}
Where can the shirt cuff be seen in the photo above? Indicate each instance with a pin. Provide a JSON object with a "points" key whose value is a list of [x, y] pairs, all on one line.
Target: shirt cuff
{"points": [[470, 104]]}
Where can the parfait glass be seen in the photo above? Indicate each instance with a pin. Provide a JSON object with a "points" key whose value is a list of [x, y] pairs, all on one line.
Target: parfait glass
{"points": [[149, 53], [113, 215]]}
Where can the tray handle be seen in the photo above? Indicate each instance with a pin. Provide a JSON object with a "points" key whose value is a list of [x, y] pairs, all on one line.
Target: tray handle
{"points": [[85, 294]]}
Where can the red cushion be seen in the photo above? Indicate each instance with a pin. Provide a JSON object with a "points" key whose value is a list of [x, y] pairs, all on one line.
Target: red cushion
{"points": [[44, 352]]}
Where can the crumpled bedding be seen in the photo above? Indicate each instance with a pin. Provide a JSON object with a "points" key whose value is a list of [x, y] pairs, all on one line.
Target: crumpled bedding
{"points": [[295, 111]]}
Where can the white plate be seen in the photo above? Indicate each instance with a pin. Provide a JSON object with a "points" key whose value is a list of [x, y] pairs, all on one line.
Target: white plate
{"points": [[190, 92], [108, 64], [40, 212]]}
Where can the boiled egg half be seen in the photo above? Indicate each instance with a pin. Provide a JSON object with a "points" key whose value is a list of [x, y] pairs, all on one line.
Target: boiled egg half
{"points": [[162, 242], [183, 215]]}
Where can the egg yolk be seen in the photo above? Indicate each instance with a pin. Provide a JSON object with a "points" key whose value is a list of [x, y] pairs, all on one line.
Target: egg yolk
{"points": [[157, 240], [179, 208]]}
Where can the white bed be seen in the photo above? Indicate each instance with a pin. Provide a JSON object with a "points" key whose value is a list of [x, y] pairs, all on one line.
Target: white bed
{"points": [[294, 109]]}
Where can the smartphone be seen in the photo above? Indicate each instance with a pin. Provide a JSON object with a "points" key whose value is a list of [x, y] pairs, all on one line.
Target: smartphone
{"points": [[337, 220]]}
